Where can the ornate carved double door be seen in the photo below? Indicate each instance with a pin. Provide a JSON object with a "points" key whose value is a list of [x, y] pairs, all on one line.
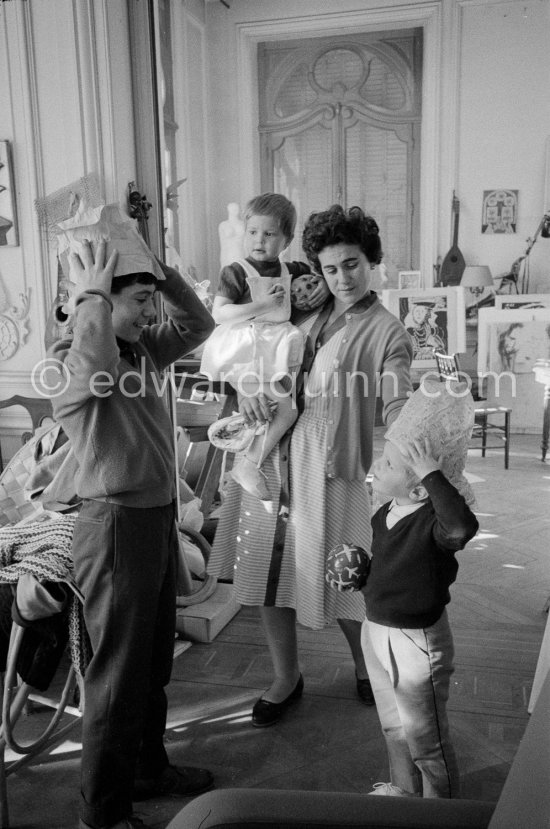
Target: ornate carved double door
{"points": [[340, 122]]}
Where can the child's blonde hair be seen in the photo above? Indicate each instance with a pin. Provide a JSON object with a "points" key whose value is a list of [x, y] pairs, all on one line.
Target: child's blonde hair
{"points": [[276, 205]]}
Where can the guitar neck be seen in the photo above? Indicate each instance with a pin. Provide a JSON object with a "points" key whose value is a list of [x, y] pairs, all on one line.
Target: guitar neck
{"points": [[456, 213]]}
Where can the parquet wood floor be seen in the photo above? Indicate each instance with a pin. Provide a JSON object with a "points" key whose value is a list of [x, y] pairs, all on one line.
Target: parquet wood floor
{"points": [[329, 740]]}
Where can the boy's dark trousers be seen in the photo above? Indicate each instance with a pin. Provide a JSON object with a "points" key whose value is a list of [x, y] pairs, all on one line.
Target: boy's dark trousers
{"points": [[125, 565]]}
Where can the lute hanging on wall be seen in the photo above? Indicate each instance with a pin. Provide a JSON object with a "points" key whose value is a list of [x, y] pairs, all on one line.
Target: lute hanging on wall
{"points": [[453, 264]]}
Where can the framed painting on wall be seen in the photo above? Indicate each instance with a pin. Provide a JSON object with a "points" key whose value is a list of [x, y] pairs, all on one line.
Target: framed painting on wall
{"points": [[499, 212], [8, 212], [435, 320]]}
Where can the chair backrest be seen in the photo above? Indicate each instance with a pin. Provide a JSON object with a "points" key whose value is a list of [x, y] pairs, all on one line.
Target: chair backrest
{"points": [[39, 409], [447, 366]]}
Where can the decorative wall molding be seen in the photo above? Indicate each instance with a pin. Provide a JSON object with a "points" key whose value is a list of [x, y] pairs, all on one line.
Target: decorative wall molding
{"points": [[438, 162], [35, 251], [69, 114], [13, 323], [27, 38]]}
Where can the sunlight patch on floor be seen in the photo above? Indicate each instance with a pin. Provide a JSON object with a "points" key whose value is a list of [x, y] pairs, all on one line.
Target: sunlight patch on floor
{"points": [[235, 718]]}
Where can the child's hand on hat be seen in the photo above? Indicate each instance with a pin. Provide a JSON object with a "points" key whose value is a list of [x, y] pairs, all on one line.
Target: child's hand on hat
{"points": [[419, 454], [88, 270]]}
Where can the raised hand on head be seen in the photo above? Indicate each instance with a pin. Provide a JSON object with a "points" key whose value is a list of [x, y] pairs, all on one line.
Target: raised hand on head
{"points": [[89, 270], [420, 455]]}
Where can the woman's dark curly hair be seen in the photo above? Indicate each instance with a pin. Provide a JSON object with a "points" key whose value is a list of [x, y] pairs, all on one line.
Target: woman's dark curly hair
{"points": [[336, 226]]}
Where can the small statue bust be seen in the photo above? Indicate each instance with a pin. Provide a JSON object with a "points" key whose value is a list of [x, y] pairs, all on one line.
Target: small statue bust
{"points": [[231, 233]]}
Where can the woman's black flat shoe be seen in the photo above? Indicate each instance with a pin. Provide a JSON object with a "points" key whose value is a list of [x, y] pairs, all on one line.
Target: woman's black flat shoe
{"points": [[364, 691], [267, 713]]}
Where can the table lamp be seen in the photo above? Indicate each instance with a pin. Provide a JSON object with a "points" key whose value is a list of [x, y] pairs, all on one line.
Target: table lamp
{"points": [[476, 278]]}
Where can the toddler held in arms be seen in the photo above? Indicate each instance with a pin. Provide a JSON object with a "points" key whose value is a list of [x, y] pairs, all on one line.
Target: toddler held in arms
{"points": [[255, 347]]}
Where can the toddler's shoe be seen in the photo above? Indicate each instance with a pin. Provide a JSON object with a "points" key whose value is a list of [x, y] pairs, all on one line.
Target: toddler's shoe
{"points": [[390, 789], [246, 474]]}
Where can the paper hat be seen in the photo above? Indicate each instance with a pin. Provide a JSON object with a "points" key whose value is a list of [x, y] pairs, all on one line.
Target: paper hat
{"points": [[443, 412], [107, 222]]}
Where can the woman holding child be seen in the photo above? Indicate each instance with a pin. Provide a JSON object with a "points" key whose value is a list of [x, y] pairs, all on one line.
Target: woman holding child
{"points": [[277, 560]]}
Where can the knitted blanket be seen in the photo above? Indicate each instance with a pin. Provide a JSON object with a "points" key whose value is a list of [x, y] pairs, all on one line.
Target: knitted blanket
{"points": [[43, 548]]}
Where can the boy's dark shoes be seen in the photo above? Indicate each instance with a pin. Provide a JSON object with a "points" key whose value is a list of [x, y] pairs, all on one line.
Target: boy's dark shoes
{"points": [[364, 691], [175, 781]]}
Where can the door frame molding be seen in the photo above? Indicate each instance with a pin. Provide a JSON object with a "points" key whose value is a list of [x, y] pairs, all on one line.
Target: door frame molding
{"points": [[439, 20]]}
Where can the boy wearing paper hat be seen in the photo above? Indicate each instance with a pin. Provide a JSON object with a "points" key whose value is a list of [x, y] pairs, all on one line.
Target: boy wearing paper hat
{"points": [[110, 403], [406, 638]]}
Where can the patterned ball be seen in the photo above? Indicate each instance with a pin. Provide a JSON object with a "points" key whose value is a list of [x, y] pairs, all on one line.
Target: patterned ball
{"points": [[347, 567], [301, 289]]}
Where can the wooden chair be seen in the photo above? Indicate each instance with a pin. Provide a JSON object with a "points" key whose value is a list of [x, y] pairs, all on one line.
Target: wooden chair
{"points": [[39, 409], [449, 369]]}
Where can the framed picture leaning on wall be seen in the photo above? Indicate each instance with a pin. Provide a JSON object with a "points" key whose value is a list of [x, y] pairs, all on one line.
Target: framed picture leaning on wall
{"points": [[510, 343], [409, 280], [509, 302], [435, 320], [512, 340]]}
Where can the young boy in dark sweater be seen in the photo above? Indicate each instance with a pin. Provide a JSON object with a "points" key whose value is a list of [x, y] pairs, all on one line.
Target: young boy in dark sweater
{"points": [[406, 638]]}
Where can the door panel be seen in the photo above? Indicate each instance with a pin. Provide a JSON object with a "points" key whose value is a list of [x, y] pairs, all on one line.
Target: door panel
{"points": [[295, 166], [377, 178], [339, 122]]}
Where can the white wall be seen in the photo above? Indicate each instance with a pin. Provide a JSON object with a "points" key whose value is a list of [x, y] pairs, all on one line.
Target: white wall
{"points": [[505, 128]]}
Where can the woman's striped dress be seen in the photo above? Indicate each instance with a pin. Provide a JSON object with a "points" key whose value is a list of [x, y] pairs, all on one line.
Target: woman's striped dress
{"points": [[277, 562]]}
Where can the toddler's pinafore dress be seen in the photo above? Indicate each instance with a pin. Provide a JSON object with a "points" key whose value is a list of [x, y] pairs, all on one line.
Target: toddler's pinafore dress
{"points": [[282, 564], [257, 351]]}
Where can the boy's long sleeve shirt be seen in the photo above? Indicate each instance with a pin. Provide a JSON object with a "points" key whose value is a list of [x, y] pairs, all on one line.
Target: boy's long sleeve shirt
{"points": [[413, 563], [113, 410]]}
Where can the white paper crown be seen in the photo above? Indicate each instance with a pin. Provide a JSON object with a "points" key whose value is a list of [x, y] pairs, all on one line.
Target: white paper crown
{"points": [[443, 412], [107, 222]]}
